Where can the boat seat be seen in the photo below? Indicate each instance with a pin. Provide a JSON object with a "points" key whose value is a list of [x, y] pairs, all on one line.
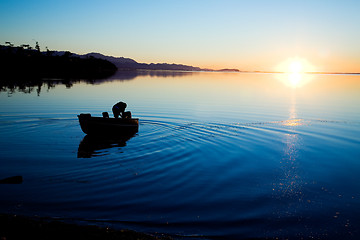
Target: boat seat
{"points": [[126, 115], [105, 115], [85, 115]]}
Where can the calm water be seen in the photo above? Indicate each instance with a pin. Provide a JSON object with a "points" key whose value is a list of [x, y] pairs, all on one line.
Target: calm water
{"points": [[229, 155]]}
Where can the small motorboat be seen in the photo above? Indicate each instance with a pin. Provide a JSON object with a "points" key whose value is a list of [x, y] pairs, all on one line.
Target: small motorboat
{"points": [[107, 126]]}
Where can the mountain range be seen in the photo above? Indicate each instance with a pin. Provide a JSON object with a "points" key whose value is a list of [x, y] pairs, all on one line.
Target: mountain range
{"points": [[129, 64]]}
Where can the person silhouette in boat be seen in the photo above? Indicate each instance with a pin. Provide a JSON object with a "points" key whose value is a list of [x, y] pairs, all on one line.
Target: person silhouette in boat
{"points": [[119, 110]]}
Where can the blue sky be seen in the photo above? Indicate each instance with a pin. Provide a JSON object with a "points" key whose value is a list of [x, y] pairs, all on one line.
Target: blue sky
{"points": [[249, 35]]}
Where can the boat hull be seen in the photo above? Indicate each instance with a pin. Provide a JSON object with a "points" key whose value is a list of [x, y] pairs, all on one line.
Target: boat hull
{"points": [[108, 126]]}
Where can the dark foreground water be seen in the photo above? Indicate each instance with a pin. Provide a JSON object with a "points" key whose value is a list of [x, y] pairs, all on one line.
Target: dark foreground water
{"points": [[229, 155]]}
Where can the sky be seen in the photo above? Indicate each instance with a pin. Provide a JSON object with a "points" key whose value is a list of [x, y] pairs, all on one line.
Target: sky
{"points": [[255, 35]]}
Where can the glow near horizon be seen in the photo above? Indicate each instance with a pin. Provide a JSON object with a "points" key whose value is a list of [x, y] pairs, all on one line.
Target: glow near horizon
{"points": [[248, 35]]}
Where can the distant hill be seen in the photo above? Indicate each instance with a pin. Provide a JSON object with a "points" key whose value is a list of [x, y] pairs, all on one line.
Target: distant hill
{"points": [[129, 64], [229, 70], [115, 60]]}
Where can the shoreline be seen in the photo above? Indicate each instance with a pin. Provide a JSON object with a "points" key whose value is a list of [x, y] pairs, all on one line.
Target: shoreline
{"points": [[16, 227]]}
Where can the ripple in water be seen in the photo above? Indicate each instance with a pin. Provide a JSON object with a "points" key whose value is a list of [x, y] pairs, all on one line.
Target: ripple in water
{"points": [[260, 179]]}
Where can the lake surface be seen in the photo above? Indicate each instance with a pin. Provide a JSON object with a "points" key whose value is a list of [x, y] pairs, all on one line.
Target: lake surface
{"points": [[227, 155]]}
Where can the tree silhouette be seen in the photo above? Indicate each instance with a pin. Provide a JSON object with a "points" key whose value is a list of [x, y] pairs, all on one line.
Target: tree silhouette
{"points": [[48, 52], [9, 44], [25, 46], [67, 54], [37, 47]]}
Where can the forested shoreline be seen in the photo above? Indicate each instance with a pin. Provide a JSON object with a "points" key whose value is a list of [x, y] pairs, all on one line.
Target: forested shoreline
{"points": [[23, 61]]}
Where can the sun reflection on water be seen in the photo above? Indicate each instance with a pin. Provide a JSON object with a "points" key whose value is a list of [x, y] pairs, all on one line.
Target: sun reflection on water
{"points": [[295, 71], [295, 79], [293, 122], [293, 118], [289, 184]]}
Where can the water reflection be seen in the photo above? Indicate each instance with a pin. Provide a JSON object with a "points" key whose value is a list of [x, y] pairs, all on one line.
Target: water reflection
{"points": [[31, 85], [95, 146], [293, 117], [203, 134], [288, 188], [295, 79], [289, 185]]}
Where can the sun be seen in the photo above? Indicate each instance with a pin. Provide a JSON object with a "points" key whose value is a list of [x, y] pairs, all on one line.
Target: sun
{"points": [[295, 67], [295, 71]]}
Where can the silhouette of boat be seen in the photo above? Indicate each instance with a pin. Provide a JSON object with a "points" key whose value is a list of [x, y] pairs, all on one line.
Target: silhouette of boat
{"points": [[107, 126]]}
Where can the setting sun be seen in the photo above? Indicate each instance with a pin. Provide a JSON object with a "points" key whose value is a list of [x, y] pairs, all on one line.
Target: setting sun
{"points": [[295, 71], [295, 67]]}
